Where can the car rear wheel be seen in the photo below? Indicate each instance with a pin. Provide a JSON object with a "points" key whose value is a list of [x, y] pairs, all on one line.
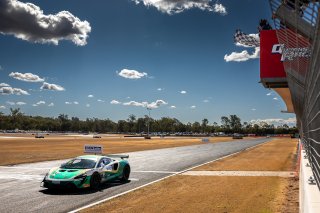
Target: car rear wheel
{"points": [[126, 173], [95, 181]]}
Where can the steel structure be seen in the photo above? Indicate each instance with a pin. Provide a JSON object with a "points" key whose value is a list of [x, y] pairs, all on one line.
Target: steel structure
{"points": [[297, 24]]}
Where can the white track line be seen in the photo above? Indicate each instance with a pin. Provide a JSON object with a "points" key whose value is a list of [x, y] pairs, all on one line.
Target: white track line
{"points": [[24, 167], [155, 181], [240, 173], [161, 172]]}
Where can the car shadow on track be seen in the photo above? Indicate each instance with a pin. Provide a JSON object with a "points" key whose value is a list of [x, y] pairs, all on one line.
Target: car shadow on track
{"points": [[75, 191]]}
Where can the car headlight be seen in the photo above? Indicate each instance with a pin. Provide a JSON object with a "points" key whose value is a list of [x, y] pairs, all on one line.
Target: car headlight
{"points": [[82, 176]]}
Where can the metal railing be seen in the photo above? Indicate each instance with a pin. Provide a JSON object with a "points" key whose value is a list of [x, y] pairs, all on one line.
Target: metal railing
{"points": [[297, 24]]}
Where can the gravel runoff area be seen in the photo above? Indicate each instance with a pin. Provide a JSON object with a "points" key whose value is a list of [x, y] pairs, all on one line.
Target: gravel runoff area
{"points": [[267, 191], [25, 148]]}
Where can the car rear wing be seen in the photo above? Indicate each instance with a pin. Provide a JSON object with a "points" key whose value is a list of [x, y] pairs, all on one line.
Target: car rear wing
{"points": [[118, 156]]}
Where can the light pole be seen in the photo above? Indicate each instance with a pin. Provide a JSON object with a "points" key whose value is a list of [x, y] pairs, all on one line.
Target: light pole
{"points": [[149, 109]]}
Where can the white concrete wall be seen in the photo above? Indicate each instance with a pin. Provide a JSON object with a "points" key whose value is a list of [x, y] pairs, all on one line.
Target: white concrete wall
{"points": [[309, 194]]}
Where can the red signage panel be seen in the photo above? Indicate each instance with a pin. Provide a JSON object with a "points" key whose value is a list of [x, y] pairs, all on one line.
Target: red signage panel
{"points": [[271, 65]]}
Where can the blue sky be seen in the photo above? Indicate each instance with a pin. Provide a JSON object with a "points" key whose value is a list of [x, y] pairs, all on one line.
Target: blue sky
{"points": [[181, 51]]}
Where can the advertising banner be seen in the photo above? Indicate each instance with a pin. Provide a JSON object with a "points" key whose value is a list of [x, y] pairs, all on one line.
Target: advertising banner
{"points": [[271, 62]]}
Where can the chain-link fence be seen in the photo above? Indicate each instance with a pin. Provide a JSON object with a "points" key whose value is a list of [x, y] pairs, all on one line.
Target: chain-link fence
{"points": [[297, 24]]}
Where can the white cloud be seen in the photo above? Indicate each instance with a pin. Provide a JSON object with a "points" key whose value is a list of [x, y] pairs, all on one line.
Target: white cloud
{"points": [[34, 105], [156, 104], [67, 102], [115, 102], [76, 102], [17, 103], [2, 107], [4, 85], [27, 21], [132, 74], [135, 103], [99, 100], [11, 103], [253, 109], [275, 98], [55, 87], [87, 105], [183, 92], [40, 102], [12, 91], [219, 8], [160, 89], [275, 121], [29, 77], [173, 107], [90, 96], [152, 105], [51, 104], [193, 107], [177, 6], [270, 93], [242, 56], [21, 103], [206, 101]]}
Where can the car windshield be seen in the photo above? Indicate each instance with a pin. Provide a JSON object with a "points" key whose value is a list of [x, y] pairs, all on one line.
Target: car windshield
{"points": [[79, 163]]}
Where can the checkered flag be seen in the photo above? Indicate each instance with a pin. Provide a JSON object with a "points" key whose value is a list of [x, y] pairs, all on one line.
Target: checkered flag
{"points": [[245, 39]]}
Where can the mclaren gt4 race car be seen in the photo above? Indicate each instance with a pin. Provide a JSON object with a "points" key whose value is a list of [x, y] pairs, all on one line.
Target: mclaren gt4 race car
{"points": [[88, 171]]}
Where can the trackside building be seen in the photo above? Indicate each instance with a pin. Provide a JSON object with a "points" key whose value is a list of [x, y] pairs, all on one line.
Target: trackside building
{"points": [[290, 65]]}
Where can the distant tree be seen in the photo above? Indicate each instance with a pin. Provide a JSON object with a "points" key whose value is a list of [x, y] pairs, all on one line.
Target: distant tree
{"points": [[204, 125], [225, 124], [196, 127], [131, 122], [235, 123], [17, 120]]}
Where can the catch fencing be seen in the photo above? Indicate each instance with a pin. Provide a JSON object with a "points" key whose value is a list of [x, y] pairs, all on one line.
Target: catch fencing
{"points": [[297, 24]]}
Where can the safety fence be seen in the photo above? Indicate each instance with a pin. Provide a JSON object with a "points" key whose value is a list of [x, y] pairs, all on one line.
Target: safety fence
{"points": [[297, 24]]}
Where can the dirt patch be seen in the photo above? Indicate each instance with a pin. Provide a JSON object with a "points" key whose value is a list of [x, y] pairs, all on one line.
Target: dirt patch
{"points": [[201, 194], [28, 149], [291, 199], [277, 155]]}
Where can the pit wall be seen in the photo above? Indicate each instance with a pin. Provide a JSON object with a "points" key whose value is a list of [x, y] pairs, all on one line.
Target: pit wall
{"points": [[309, 194]]}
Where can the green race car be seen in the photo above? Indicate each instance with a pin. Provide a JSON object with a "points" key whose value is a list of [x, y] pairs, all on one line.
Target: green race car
{"points": [[88, 171]]}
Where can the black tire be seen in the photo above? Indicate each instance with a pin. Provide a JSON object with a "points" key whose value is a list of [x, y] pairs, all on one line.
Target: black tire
{"points": [[126, 173], [95, 181]]}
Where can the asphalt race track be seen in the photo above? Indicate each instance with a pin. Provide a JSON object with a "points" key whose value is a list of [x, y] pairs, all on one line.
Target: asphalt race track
{"points": [[20, 189]]}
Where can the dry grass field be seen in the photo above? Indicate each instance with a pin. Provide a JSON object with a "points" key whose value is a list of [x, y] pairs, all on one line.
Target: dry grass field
{"points": [[221, 193], [27, 149], [278, 155]]}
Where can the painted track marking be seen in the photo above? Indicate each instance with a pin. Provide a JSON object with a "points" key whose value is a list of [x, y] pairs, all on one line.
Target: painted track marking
{"points": [[160, 172], [240, 173]]}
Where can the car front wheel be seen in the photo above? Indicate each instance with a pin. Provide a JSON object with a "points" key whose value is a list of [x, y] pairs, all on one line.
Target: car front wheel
{"points": [[95, 181]]}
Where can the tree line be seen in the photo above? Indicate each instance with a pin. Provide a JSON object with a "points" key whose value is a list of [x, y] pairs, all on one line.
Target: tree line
{"points": [[229, 124]]}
